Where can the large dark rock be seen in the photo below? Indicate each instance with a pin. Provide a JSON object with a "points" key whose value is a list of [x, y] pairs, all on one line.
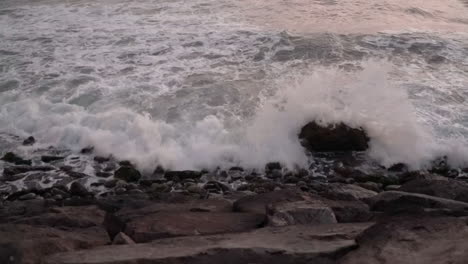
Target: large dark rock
{"points": [[76, 188], [412, 240], [440, 187], [287, 245], [29, 244], [127, 173], [336, 137], [182, 175], [29, 141]]}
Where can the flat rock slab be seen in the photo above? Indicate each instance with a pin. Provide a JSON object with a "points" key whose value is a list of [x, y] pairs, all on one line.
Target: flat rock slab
{"points": [[286, 245], [172, 224], [28, 244], [300, 212], [116, 223], [413, 240]]}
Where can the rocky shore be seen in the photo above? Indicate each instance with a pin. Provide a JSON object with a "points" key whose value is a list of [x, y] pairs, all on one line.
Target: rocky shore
{"points": [[342, 209]]}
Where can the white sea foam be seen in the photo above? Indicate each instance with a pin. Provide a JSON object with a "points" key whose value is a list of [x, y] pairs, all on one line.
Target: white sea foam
{"points": [[361, 99]]}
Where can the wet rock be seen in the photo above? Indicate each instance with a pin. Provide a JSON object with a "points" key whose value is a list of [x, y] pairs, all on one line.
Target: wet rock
{"points": [[33, 243], [371, 186], [103, 174], [14, 170], [172, 224], [337, 137], [16, 210], [127, 173], [412, 240], [182, 175], [287, 245], [396, 202], [440, 187], [29, 141], [216, 187], [100, 159], [87, 150], [349, 211], [399, 167], [122, 239], [193, 188], [160, 187], [48, 159], [258, 203], [339, 191], [15, 159], [392, 187], [273, 166], [300, 213], [28, 196], [78, 189]]}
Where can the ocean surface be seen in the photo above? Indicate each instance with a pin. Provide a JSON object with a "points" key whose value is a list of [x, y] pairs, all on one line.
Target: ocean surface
{"points": [[207, 83]]}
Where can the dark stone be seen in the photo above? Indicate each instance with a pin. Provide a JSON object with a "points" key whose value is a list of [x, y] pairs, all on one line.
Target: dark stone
{"points": [[125, 163], [103, 174], [87, 150], [258, 203], [182, 175], [337, 137], [399, 167], [48, 159], [273, 166], [78, 189], [29, 141], [127, 173], [100, 159], [13, 158]]}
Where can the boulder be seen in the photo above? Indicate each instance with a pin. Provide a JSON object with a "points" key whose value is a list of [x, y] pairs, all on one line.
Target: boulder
{"points": [[335, 137], [396, 202], [127, 173], [441, 187], [29, 141], [412, 240], [300, 212], [286, 245], [172, 224], [29, 244]]}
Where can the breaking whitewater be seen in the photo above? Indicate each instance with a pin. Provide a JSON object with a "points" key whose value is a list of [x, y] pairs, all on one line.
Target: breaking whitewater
{"points": [[211, 85]]}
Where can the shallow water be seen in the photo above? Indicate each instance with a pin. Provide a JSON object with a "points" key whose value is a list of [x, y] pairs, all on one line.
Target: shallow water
{"points": [[201, 84]]}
